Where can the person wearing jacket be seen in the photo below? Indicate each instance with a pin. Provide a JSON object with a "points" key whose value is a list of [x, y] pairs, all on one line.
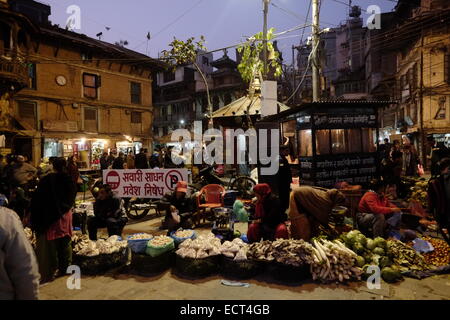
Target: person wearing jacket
{"points": [[51, 219], [376, 212], [310, 207], [108, 212], [439, 195], [179, 208], [19, 273], [269, 223], [73, 171], [284, 178], [141, 161], [118, 163]]}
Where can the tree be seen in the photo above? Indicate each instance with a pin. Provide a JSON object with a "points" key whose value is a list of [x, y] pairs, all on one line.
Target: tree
{"points": [[186, 52], [252, 51]]}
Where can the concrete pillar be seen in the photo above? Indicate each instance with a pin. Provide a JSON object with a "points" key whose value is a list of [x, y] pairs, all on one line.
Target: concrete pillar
{"points": [[36, 149]]}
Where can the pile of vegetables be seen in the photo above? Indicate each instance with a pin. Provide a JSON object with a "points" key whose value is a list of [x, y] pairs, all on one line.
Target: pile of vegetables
{"points": [[372, 252], [160, 241], [419, 193], [140, 236], [292, 252], [406, 258], [184, 233], [261, 251], [236, 250], [440, 256], [333, 261], [84, 247], [202, 247]]}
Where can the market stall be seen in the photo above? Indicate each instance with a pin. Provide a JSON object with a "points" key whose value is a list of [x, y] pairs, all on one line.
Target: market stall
{"points": [[333, 141]]}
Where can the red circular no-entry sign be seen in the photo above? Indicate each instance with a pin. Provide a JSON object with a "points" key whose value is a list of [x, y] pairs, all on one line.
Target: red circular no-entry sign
{"points": [[113, 179]]}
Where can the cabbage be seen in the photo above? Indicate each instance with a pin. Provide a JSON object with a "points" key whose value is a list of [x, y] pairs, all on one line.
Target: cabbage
{"points": [[371, 244], [376, 259], [390, 275], [385, 262], [379, 251], [360, 262], [380, 242], [360, 238], [358, 248]]}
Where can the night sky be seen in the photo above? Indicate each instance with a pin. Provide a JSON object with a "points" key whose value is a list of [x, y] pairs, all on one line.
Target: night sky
{"points": [[222, 22]]}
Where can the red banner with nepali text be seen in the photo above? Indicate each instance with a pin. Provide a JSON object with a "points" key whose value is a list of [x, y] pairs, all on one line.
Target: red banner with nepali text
{"points": [[144, 183]]}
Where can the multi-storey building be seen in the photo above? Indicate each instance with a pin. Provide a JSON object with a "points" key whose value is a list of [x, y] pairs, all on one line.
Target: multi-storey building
{"points": [[82, 96]]}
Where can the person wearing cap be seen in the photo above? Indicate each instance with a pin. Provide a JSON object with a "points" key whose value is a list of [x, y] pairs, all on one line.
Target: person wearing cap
{"points": [[376, 212], [179, 208], [269, 219]]}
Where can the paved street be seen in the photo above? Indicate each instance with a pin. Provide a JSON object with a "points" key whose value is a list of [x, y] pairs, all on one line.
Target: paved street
{"points": [[116, 285]]}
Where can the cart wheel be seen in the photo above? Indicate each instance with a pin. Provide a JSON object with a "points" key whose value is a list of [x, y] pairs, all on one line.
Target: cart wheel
{"points": [[134, 212], [244, 185]]}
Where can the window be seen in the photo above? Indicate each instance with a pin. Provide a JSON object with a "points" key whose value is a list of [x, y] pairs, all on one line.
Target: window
{"points": [[354, 140], [90, 120], [338, 143], [32, 76], [368, 138], [5, 35], [27, 114], [216, 103], [136, 117], [86, 56], [169, 76], [322, 142], [135, 93], [227, 99], [205, 61], [305, 143], [91, 82], [27, 110]]}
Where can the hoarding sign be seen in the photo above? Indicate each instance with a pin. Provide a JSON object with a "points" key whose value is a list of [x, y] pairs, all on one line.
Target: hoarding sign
{"points": [[145, 183]]}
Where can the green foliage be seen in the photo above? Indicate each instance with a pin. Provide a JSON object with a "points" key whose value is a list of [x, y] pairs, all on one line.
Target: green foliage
{"points": [[184, 52], [252, 51]]}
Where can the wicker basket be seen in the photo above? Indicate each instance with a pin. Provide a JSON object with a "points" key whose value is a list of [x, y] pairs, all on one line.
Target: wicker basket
{"points": [[102, 263], [145, 265], [241, 269], [288, 273], [196, 268]]}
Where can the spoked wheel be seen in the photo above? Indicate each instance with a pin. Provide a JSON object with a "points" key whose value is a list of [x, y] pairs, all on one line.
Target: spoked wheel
{"points": [[136, 209], [244, 186]]}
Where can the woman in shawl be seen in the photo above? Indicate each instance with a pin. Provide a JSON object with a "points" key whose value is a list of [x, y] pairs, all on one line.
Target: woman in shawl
{"points": [[51, 219], [310, 207], [269, 223]]}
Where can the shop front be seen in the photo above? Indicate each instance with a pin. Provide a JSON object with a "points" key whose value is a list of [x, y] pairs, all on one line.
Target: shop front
{"points": [[330, 142]]}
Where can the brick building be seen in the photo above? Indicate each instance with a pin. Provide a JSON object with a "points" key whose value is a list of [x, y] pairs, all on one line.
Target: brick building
{"points": [[82, 96]]}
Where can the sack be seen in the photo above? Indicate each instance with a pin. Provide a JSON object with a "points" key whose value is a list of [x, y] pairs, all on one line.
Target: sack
{"points": [[420, 170], [138, 245], [155, 251], [180, 240]]}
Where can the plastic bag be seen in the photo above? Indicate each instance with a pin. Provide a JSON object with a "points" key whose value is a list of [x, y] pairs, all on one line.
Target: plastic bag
{"points": [[422, 246]]}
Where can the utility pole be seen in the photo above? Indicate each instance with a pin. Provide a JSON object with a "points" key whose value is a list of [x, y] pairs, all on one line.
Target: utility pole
{"points": [[315, 47], [294, 73], [266, 12]]}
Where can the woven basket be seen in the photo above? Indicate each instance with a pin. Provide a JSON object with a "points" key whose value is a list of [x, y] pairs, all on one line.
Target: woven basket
{"points": [[145, 265], [102, 263], [196, 268], [241, 269]]}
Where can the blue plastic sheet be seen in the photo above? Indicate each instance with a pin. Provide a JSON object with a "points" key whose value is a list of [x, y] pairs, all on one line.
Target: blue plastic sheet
{"points": [[422, 246]]}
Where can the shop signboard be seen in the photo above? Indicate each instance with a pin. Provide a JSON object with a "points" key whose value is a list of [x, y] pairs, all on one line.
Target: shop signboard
{"points": [[145, 183], [59, 125], [344, 121]]}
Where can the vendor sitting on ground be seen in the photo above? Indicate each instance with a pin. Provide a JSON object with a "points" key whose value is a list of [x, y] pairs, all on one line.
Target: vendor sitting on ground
{"points": [[269, 223], [310, 207], [376, 212], [108, 212], [179, 208]]}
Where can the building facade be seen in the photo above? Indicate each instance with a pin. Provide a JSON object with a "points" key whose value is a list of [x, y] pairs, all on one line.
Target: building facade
{"points": [[83, 96]]}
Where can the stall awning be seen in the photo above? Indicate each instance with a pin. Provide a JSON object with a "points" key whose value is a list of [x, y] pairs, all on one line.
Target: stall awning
{"points": [[242, 105]]}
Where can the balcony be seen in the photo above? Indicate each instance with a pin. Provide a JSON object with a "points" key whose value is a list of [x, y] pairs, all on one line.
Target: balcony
{"points": [[13, 72]]}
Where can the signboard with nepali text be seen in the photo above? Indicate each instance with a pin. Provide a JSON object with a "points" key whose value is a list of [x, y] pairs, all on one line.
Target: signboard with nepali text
{"points": [[144, 183]]}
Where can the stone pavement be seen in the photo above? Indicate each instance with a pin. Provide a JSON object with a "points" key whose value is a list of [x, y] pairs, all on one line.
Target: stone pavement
{"points": [[166, 286]]}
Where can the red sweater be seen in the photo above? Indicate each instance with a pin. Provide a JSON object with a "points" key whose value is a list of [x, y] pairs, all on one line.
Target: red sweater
{"points": [[371, 202]]}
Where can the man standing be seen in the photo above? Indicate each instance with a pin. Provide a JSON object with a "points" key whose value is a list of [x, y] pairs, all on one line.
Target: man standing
{"points": [[284, 179], [141, 161], [119, 161], [104, 161], [439, 195], [438, 152]]}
